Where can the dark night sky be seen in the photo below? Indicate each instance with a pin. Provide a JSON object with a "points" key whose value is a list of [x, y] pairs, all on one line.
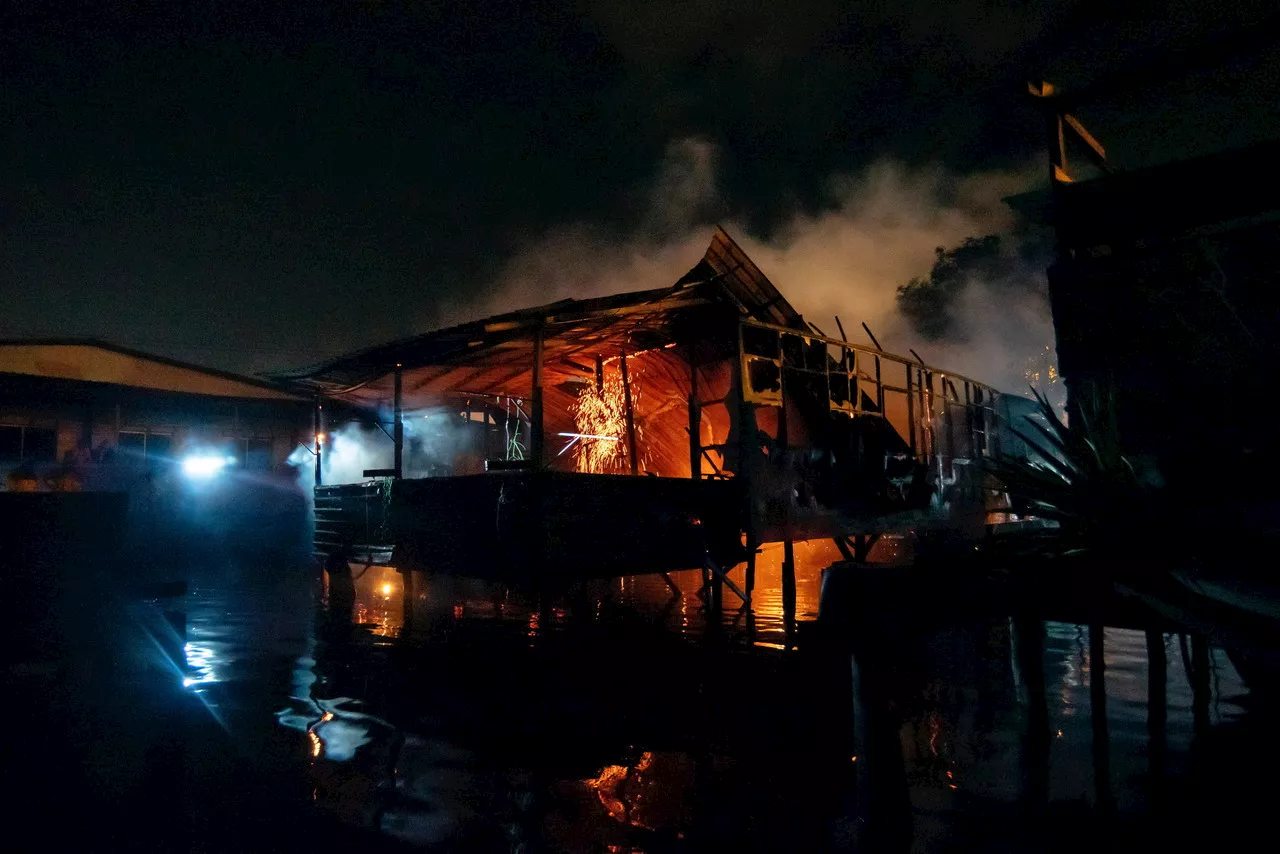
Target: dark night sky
{"points": [[253, 189]]}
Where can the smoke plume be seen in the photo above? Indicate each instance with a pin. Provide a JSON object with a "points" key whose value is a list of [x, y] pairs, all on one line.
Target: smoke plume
{"points": [[881, 229]]}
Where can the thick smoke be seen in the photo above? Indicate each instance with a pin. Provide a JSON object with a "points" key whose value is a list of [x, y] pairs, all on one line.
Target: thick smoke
{"points": [[881, 229]]}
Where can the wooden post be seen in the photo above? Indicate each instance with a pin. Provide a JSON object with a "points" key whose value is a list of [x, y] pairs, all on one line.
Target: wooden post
{"points": [[318, 425], [879, 389], [911, 413], [631, 421], [398, 435], [535, 414], [788, 548], [695, 422], [926, 415], [788, 579], [948, 423], [746, 455]]}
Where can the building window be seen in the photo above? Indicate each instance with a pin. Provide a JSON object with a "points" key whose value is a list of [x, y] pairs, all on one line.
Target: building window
{"points": [[138, 445], [37, 444], [10, 443], [253, 454], [159, 446]]}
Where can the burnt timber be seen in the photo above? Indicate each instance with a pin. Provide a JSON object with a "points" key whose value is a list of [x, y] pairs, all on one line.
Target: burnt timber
{"points": [[743, 425]]}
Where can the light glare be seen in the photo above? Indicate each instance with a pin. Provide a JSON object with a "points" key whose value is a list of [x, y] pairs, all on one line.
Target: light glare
{"points": [[202, 465]]}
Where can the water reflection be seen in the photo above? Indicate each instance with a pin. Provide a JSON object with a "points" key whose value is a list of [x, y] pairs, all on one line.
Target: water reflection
{"points": [[200, 661], [623, 715]]}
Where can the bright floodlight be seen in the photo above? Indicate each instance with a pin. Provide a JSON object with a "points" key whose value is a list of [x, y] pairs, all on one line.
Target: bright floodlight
{"points": [[202, 465]]}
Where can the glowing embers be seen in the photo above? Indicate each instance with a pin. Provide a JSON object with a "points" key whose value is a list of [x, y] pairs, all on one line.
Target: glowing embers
{"points": [[600, 416]]}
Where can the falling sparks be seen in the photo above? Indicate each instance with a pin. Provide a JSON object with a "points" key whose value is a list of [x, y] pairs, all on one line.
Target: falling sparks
{"points": [[600, 416], [1040, 370]]}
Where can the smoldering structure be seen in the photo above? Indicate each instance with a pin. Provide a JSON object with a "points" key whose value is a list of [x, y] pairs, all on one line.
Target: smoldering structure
{"points": [[664, 429]]}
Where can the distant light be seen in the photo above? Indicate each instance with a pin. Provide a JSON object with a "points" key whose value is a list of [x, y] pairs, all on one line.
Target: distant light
{"points": [[204, 465], [386, 590], [319, 438]]}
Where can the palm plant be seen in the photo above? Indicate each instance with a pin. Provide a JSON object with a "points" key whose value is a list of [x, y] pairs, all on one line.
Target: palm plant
{"points": [[1076, 475]]}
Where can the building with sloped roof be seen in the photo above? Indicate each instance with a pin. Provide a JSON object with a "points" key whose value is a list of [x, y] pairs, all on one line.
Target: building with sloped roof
{"points": [[688, 419], [91, 401]]}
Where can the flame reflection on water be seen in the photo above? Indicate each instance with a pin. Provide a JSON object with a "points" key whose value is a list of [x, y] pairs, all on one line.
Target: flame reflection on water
{"points": [[959, 703]]}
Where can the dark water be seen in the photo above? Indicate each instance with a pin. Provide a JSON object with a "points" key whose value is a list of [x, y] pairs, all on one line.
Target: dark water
{"points": [[614, 717]]}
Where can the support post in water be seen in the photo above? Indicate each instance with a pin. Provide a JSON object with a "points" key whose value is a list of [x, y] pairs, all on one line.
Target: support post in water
{"points": [[789, 579], [398, 427], [788, 547], [535, 414], [318, 427], [631, 421]]}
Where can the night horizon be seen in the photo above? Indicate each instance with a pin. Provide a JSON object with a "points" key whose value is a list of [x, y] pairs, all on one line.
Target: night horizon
{"points": [[257, 191]]}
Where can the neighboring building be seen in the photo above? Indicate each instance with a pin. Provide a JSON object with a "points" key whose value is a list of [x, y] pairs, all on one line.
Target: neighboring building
{"points": [[189, 444], [62, 398], [1164, 303]]}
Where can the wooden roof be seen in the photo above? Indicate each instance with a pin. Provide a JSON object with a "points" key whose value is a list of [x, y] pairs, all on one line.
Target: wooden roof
{"points": [[494, 355]]}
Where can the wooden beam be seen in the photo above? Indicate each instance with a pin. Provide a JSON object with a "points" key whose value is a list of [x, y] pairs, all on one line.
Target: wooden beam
{"points": [[1096, 152]]}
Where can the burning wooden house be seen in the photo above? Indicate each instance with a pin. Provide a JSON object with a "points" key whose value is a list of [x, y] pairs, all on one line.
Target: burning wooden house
{"points": [[664, 429]]}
